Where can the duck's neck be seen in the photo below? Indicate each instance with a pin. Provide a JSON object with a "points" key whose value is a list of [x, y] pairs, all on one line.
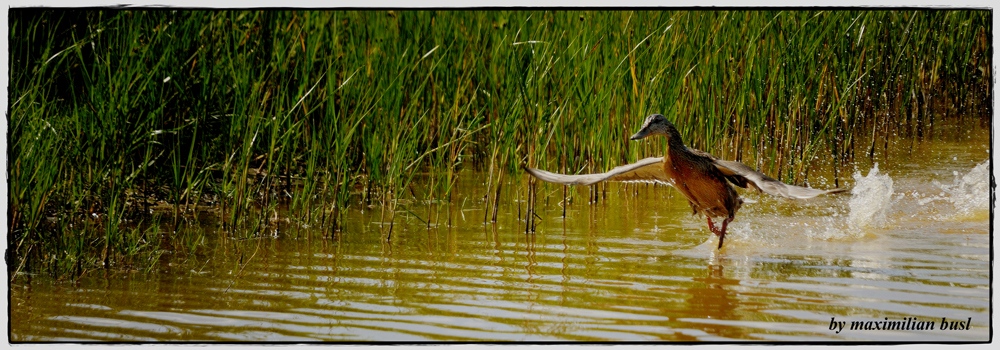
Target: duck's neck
{"points": [[674, 141]]}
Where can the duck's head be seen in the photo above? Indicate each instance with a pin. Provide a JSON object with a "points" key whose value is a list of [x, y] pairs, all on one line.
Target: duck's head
{"points": [[655, 124]]}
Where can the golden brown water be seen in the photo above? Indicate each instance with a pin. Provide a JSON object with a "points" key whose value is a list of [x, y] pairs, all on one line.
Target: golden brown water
{"points": [[634, 267]]}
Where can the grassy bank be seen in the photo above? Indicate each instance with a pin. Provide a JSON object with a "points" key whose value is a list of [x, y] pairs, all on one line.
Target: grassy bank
{"points": [[113, 113]]}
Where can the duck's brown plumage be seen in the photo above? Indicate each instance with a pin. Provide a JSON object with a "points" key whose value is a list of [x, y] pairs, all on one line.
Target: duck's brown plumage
{"points": [[703, 179], [704, 186]]}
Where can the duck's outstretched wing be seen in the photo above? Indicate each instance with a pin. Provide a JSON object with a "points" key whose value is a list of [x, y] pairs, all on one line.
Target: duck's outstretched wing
{"points": [[649, 170], [767, 184]]}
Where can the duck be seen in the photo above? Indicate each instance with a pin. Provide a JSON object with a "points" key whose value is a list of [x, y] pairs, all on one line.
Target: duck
{"points": [[703, 179]]}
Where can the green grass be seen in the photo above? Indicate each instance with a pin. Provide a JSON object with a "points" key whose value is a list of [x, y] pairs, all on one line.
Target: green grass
{"points": [[253, 112]]}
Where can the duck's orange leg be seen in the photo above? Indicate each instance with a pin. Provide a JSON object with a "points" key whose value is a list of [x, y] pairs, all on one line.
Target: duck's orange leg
{"points": [[711, 226]]}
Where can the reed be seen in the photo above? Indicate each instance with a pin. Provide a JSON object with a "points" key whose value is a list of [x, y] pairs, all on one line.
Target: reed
{"points": [[306, 114]]}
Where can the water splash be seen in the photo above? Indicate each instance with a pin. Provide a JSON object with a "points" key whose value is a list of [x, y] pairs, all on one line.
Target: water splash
{"points": [[969, 194], [870, 200], [835, 231]]}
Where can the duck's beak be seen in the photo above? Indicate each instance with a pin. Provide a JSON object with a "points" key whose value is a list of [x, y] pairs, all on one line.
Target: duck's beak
{"points": [[641, 134]]}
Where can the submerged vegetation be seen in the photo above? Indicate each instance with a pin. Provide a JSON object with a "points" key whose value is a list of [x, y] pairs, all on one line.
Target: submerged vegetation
{"points": [[118, 119]]}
